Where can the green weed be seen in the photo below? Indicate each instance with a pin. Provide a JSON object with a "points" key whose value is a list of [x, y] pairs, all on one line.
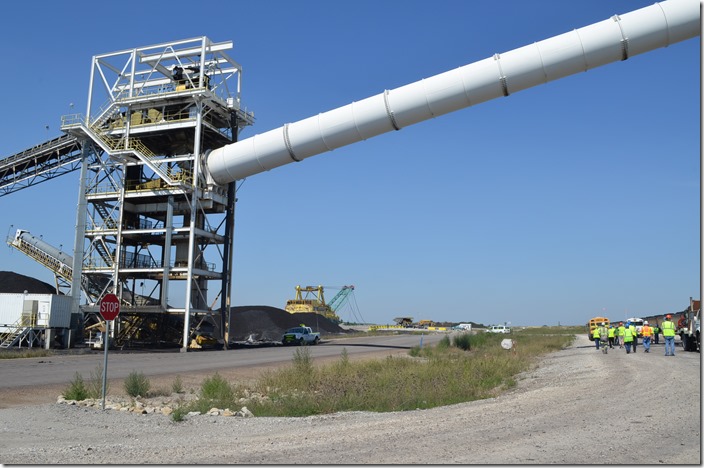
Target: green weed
{"points": [[137, 384], [76, 390], [462, 341], [95, 383], [177, 385]]}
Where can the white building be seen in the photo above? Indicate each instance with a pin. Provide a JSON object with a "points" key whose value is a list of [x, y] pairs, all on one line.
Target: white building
{"points": [[29, 320]]}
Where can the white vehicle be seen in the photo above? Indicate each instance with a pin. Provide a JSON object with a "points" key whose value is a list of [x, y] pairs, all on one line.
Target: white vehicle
{"points": [[463, 326], [499, 329], [300, 336], [638, 323]]}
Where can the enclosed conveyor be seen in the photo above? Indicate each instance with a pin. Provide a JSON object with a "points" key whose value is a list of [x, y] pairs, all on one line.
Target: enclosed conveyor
{"points": [[58, 261], [617, 38]]}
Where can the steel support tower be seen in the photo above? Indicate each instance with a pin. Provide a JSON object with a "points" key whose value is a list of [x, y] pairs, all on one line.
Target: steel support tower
{"points": [[151, 227]]}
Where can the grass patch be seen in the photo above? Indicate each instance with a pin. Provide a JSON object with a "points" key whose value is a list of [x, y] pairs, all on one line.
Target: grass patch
{"points": [[465, 368], [79, 389], [561, 330], [25, 353], [462, 341]]}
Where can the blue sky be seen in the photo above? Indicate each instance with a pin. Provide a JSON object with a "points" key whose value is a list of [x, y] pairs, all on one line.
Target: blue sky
{"points": [[573, 199]]}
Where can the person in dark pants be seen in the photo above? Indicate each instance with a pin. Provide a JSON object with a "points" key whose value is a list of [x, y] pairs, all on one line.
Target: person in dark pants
{"points": [[635, 335], [597, 337], [628, 339], [656, 331], [612, 336]]}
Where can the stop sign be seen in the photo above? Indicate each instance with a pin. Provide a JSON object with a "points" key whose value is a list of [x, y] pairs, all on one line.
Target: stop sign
{"points": [[109, 307]]}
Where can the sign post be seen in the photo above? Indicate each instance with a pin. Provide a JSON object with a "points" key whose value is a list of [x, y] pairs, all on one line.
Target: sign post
{"points": [[109, 309]]}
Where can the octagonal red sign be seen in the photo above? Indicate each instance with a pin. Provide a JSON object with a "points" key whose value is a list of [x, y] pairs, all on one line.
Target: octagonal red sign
{"points": [[109, 307]]}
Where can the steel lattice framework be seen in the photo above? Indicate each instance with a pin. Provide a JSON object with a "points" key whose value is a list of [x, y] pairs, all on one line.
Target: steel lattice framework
{"points": [[150, 223]]}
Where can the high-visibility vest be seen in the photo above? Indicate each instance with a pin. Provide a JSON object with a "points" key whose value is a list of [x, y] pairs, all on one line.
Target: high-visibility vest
{"points": [[668, 328], [621, 330], [627, 335], [612, 331], [634, 330], [595, 333], [646, 330]]}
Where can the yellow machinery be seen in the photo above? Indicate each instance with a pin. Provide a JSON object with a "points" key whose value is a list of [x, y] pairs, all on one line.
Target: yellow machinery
{"points": [[312, 301]]}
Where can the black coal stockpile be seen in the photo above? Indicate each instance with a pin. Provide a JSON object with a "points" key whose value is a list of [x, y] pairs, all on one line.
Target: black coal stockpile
{"points": [[249, 323], [11, 282], [264, 323]]}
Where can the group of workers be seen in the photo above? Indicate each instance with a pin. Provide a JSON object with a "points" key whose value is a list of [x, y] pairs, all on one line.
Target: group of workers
{"points": [[626, 336]]}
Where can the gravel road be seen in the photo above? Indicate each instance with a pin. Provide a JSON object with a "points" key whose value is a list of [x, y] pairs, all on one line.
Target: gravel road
{"points": [[579, 406]]}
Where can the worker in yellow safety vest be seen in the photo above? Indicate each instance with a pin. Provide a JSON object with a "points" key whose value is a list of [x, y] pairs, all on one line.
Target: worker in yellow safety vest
{"points": [[620, 332], [603, 334], [668, 332], [647, 332], [612, 335], [627, 339], [597, 337], [632, 326]]}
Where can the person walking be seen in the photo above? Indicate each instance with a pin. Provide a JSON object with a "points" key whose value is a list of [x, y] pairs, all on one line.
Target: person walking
{"points": [[603, 334], [668, 332], [634, 331], [597, 336], [647, 332], [627, 339], [611, 334], [621, 330]]}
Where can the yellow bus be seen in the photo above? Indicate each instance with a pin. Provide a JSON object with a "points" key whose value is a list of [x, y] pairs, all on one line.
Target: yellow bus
{"points": [[595, 322]]}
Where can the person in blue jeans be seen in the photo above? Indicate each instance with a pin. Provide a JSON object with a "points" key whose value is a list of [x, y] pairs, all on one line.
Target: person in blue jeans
{"points": [[668, 332], [647, 331]]}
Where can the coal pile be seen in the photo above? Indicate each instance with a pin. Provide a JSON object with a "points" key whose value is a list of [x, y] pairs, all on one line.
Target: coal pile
{"points": [[11, 282], [248, 323], [264, 323]]}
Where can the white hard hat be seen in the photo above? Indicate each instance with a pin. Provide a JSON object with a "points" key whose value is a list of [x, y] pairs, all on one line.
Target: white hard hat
{"points": [[645, 322]]}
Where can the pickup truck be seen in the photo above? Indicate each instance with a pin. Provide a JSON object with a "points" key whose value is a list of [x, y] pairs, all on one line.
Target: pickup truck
{"points": [[300, 336]]}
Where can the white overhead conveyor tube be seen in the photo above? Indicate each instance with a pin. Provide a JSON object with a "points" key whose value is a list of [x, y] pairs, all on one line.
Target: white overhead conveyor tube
{"points": [[612, 40]]}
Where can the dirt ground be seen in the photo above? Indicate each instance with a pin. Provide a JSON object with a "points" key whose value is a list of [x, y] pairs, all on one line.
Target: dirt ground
{"points": [[579, 406]]}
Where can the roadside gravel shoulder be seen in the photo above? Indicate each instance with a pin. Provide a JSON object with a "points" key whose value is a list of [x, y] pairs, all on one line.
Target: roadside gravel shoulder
{"points": [[653, 404]]}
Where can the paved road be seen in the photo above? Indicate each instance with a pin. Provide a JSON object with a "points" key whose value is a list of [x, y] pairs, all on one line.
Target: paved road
{"points": [[61, 369]]}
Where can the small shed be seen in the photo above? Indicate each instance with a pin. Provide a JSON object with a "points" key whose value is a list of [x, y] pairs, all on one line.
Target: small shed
{"points": [[39, 310], [35, 319]]}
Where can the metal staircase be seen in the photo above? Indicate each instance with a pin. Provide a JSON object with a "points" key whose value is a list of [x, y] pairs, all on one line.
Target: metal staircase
{"points": [[23, 329], [108, 221], [125, 147], [102, 249]]}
